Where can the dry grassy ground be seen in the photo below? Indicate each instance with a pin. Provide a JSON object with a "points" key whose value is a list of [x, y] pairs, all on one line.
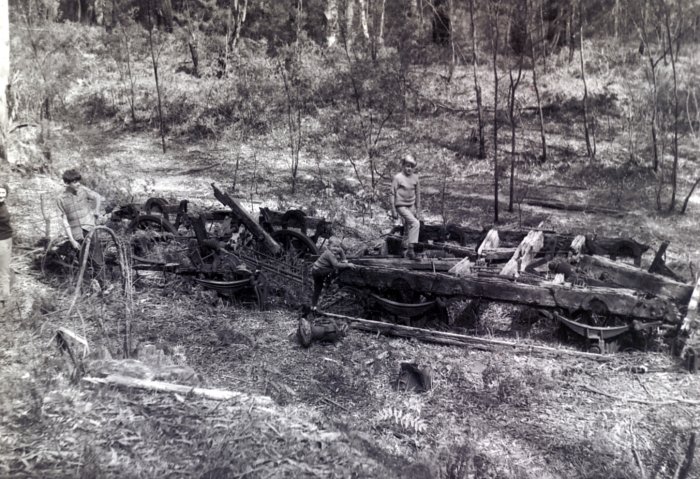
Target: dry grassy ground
{"points": [[329, 411]]}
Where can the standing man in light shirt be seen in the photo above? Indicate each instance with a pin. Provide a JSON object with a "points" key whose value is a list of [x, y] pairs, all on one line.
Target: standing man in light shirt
{"points": [[405, 192]]}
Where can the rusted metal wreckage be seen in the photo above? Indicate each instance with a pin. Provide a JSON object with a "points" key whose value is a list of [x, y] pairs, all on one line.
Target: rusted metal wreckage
{"points": [[574, 279]]}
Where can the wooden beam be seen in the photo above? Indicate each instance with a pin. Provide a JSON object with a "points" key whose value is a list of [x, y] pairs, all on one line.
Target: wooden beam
{"points": [[162, 386], [426, 264], [620, 302], [628, 276], [247, 219]]}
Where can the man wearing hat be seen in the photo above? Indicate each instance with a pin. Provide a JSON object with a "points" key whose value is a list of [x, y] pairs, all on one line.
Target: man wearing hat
{"points": [[405, 192]]}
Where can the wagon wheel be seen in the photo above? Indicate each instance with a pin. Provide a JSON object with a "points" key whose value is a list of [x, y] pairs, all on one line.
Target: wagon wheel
{"points": [[294, 243], [147, 232], [157, 205], [151, 223], [598, 314]]}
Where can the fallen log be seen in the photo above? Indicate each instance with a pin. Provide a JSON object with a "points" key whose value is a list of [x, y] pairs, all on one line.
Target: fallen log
{"points": [[454, 339], [559, 205], [618, 302], [631, 277], [162, 386]]}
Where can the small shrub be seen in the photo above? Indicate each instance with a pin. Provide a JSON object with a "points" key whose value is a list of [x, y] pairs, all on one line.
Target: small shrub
{"points": [[97, 107]]}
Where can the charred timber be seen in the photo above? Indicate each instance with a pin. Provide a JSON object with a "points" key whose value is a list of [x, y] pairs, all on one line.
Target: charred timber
{"points": [[542, 294], [628, 276], [250, 223], [554, 243]]}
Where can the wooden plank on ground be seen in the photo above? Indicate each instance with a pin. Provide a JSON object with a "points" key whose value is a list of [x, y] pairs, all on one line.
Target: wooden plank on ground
{"points": [[161, 386], [454, 339]]}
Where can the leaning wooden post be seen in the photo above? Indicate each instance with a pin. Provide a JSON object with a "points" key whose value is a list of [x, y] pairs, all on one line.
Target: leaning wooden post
{"points": [[524, 255], [249, 222], [491, 241]]}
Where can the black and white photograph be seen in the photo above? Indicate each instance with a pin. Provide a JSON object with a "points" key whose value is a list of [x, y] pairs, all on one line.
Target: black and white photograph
{"points": [[411, 239]]}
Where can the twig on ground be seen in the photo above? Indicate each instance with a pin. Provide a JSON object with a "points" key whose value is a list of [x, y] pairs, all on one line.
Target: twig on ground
{"points": [[330, 401], [644, 386], [637, 457], [665, 402]]}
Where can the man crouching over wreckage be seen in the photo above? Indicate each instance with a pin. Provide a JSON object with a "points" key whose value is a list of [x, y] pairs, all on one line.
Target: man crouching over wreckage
{"points": [[331, 260], [405, 202]]}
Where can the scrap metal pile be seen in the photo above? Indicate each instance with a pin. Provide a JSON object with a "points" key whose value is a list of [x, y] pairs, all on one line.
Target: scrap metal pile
{"points": [[576, 281]]}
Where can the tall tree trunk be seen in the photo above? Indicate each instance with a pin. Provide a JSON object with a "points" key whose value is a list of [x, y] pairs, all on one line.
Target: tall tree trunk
{"points": [[513, 87], [646, 49], [453, 56], [375, 12], [238, 10], [589, 147], [132, 82], [495, 35], [45, 129], [441, 22], [4, 78], [236, 17], [570, 39], [349, 32], [331, 14], [381, 22], [166, 10], [151, 26], [676, 114], [99, 12], [543, 36], [543, 137], [364, 24], [477, 88]]}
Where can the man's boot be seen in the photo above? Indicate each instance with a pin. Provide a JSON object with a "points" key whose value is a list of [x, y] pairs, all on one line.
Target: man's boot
{"points": [[410, 253]]}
